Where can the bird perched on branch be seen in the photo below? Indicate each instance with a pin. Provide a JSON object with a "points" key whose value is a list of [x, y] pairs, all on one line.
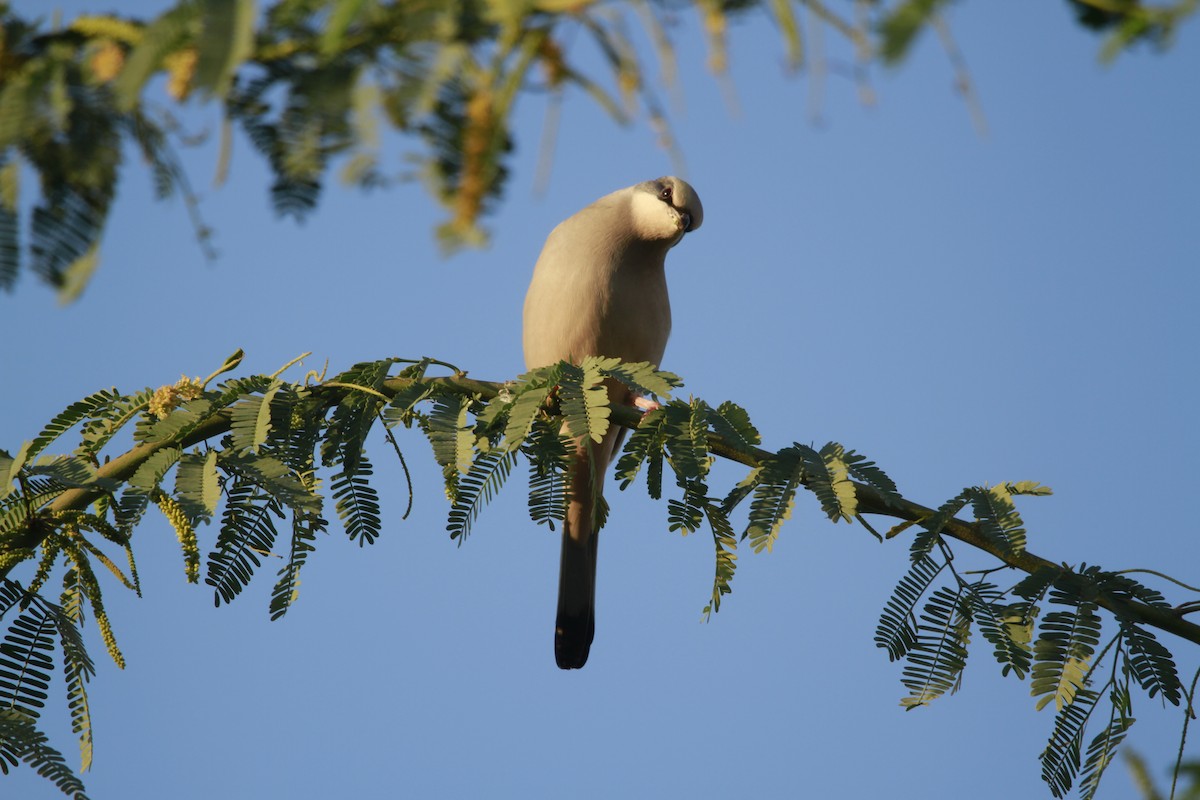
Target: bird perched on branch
{"points": [[599, 289]]}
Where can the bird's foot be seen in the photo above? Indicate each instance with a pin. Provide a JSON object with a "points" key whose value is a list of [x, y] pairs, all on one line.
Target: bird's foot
{"points": [[645, 404]]}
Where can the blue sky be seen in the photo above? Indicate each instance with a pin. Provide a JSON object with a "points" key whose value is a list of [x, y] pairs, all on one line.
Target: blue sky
{"points": [[963, 308]]}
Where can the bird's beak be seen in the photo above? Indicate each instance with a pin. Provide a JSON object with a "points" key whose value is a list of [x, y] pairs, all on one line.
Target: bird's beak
{"points": [[686, 219]]}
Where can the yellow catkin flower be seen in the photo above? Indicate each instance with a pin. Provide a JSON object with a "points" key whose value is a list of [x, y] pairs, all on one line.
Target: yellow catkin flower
{"points": [[71, 522], [10, 558], [629, 80], [161, 402], [90, 587], [107, 60], [181, 67], [91, 590], [167, 398], [133, 573], [183, 531], [472, 186], [106, 634], [188, 388], [716, 24], [101, 526], [45, 564]]}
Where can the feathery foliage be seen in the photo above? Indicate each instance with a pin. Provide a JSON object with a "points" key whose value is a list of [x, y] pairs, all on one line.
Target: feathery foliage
{"points": [[71, 416], [1060, 759], [10, 237], [867, 471], [583, 399], [26, 661], [532, 392], [732, 424], [897, 629], [20, 740], [547, 456], [108, 419], [197, 486], [357, 502], [247, 534], [996, 516], [827, 475], [286, 591], [725, 543], [929, 537], [1003, 625], [1150, 663], [1063, 653], [258, 455], [775, 484], [77, 667], [272, 476], [354, 416], [476, 489], [938, 655], [1101, 752], [451, 437], [310, 82], [646, 445], [251, 421], [132, 504]]}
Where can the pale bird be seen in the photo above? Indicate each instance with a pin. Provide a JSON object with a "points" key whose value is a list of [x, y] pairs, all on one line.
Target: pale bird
{"points": [[599, 288]]}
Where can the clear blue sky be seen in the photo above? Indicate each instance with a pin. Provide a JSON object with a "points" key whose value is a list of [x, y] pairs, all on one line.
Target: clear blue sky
{"points": [[965, 309]]}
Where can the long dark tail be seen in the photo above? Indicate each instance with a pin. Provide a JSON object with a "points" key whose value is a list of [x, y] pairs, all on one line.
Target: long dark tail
{"points": [[576, 622]]}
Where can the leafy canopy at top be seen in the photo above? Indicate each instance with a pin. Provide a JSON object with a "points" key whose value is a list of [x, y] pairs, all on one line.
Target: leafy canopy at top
{"points": [[309, 82]]}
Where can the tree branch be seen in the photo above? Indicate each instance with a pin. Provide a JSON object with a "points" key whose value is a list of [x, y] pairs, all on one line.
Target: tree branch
{"points": [[870, 500]]}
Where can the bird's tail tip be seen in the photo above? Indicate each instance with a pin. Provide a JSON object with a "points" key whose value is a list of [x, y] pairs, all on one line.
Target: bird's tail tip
{"points": [[572, 642]]}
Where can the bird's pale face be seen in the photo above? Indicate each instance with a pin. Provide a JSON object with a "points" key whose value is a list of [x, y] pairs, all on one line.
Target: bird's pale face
{"points": [[665, 209]]}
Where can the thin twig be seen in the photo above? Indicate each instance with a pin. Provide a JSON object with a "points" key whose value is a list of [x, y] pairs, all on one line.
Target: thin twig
{"points": [[1189, 713], [1158, 574], [962, 76], [403, 464]]}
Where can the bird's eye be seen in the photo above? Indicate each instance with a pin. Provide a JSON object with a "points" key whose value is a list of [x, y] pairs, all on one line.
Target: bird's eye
{"points": [[665, 194]]}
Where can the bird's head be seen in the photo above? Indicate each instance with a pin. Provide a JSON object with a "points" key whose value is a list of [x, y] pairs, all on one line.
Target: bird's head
{"points": [[665, 209]]}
